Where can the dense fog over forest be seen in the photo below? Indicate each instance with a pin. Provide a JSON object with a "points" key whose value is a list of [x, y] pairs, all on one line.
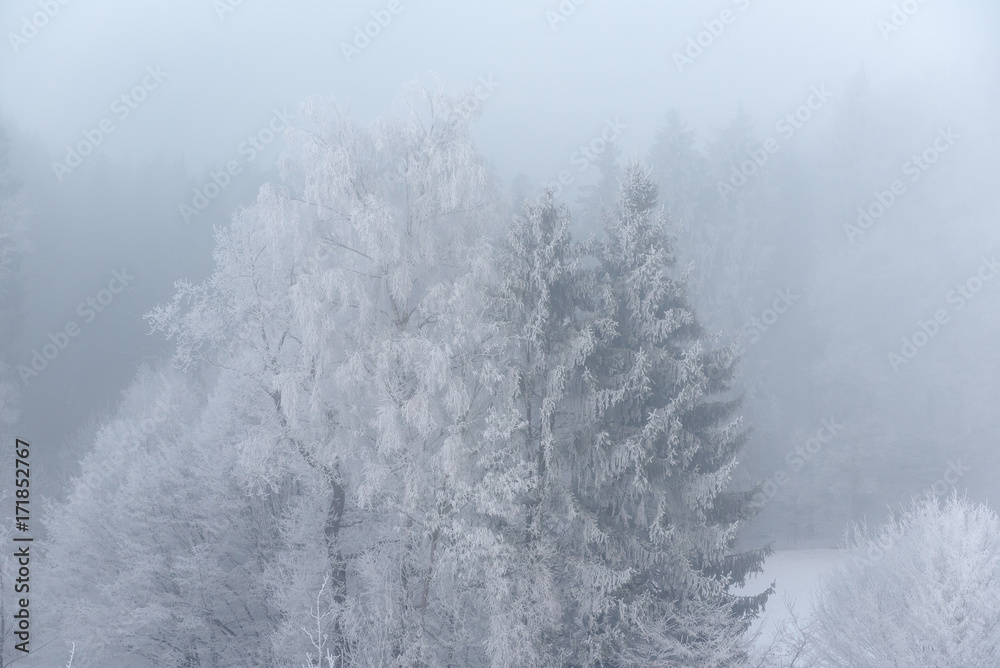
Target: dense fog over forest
{"points": [[550, 333]]}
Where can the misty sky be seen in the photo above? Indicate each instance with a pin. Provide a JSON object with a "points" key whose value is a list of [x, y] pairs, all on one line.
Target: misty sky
{"points": [[558, 85]]}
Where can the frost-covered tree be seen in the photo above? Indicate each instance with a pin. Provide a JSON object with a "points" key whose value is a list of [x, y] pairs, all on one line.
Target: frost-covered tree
{"points": [[921, 590], [242, 322], [616, 453], [656, 521], [390, 443], [406, 358], [158, 555], [348, 300], [536, 310]]}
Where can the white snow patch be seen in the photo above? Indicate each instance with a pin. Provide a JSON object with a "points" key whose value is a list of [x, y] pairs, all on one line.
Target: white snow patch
{"points": [[796, 574]]}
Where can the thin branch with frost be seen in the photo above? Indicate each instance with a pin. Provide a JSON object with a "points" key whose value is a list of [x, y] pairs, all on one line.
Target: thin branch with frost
{"points": [[320, 640]]}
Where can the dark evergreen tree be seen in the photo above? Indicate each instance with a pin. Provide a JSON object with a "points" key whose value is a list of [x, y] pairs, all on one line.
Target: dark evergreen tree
{"points": [[535, 308], [657, 521]]}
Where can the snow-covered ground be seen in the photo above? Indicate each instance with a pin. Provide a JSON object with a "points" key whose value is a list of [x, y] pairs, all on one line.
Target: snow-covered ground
{"points": [[796, 574]]}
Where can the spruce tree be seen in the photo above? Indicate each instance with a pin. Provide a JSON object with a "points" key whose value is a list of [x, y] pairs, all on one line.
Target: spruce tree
{"points": [[534, 308], [656, 523]]}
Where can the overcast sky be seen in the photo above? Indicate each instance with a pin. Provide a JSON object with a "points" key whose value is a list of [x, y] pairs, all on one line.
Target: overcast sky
{"points": [[559, 80]]}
